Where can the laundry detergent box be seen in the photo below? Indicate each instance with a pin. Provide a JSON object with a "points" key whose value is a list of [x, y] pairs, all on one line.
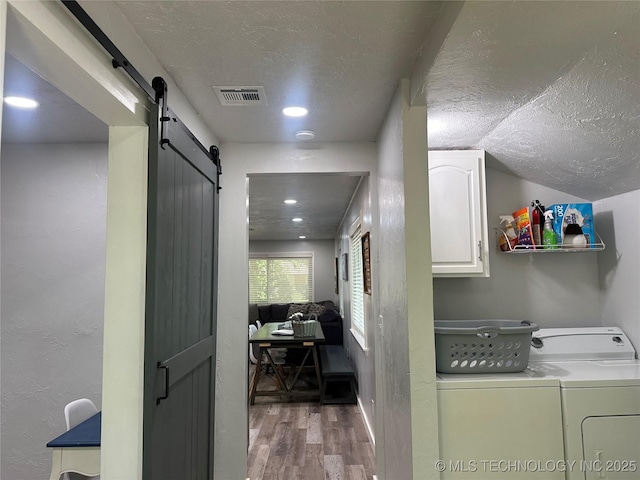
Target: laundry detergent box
{"points": [[579, 213]]}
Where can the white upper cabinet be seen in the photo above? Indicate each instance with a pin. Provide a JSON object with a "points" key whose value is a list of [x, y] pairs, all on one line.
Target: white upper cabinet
{"points": [[458, 212]]}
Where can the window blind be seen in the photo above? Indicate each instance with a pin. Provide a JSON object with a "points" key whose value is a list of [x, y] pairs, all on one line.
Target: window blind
{"points": [[357, 282], [281, 278]]}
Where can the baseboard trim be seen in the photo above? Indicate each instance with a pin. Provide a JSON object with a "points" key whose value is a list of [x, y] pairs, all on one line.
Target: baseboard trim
{"points": [[367, 425]]}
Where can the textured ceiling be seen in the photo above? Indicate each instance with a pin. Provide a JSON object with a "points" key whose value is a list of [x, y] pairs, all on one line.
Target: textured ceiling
{"points": [[551, 90], [58, 119], [343, 60], [322, 200]]}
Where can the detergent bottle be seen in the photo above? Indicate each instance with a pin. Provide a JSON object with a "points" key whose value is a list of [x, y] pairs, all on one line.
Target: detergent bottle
{"points": [[549, 239], [509, 237]]}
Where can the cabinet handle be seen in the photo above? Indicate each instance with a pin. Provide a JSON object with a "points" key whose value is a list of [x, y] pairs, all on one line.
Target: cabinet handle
{"points": [[480, 250]]}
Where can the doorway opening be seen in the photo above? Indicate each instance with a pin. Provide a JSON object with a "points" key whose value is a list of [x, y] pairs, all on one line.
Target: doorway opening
{"points": [[299, 437]]}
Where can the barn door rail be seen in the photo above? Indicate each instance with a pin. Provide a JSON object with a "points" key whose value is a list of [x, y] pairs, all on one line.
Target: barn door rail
{"points": [[120, 61], [167, 116]]}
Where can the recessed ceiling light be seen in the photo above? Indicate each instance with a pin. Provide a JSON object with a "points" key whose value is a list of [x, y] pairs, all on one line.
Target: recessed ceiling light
{"points": [[295, 111], [290, 201], [20, 102], [302, 236], [297, 219], [305, 134]]}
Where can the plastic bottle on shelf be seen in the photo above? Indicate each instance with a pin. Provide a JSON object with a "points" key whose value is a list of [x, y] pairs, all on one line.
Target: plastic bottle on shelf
{"points": [[509, 238], [541, 208], [549, 239], [535, 223]]}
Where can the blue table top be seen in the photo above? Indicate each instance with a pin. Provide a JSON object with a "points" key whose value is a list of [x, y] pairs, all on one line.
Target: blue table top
{"points": [[85, 434]]}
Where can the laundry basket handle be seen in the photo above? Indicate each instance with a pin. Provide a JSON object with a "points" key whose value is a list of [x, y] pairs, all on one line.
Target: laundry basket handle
{"points": [[487, 332]]}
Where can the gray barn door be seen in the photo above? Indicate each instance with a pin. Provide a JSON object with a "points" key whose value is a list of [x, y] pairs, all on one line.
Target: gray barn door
{"points": [[181, 306]]}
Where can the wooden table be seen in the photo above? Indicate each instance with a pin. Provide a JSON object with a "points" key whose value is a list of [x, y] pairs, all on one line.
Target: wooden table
{"points": [[265, 339], [78, 450]]}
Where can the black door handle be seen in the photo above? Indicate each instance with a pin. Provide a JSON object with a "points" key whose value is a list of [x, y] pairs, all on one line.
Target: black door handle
{"points": [[166, 383]]}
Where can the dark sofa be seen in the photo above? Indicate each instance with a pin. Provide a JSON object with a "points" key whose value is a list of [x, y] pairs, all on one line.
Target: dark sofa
{"points": [[330, 319]]}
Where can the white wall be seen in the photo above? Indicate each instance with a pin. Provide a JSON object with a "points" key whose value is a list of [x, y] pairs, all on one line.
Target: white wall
{"points": [[617, 222], [323, 262], [240, 160], [363, 360], [552, 290], [53, 281]]}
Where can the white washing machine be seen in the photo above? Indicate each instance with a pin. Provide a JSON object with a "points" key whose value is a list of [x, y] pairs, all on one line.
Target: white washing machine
{"points": [[505, 426], [599, 378]]}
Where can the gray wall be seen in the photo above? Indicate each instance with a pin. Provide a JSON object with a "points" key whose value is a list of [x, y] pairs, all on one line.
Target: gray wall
{"points": [[393, 298], [53, 267], [619, 264], [364, 361], [552, 290], [323, 262]]}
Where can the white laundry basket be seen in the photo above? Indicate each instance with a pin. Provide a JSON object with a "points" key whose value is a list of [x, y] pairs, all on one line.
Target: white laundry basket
{"points": [[482, 346]]}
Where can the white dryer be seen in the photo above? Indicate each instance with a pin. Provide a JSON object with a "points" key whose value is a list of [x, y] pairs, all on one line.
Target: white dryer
{"points": [[599, 379]]}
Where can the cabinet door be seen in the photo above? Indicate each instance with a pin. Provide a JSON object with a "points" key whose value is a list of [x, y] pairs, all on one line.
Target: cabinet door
{"points": [[458, 213]]}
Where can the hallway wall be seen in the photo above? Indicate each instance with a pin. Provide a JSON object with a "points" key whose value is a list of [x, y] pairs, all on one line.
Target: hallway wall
{"points": [[364, 360]]}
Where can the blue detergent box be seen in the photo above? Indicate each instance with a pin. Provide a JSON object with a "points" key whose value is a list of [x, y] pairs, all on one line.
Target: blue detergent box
{"points": [[579, 213]]}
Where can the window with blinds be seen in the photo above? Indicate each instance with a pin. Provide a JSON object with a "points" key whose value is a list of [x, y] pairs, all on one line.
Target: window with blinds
{"points": [[357, 284], [281, 277]]}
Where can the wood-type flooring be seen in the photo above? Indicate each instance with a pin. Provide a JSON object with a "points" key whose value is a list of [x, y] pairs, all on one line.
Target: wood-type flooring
{"points": [[307, 441]]}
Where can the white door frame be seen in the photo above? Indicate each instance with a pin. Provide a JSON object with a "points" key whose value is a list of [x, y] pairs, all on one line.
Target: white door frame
{"points": [[241, 161], [43, 36]]}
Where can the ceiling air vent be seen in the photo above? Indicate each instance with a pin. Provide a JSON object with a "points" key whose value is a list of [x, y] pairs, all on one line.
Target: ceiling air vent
{"points": [[241, 95]]}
